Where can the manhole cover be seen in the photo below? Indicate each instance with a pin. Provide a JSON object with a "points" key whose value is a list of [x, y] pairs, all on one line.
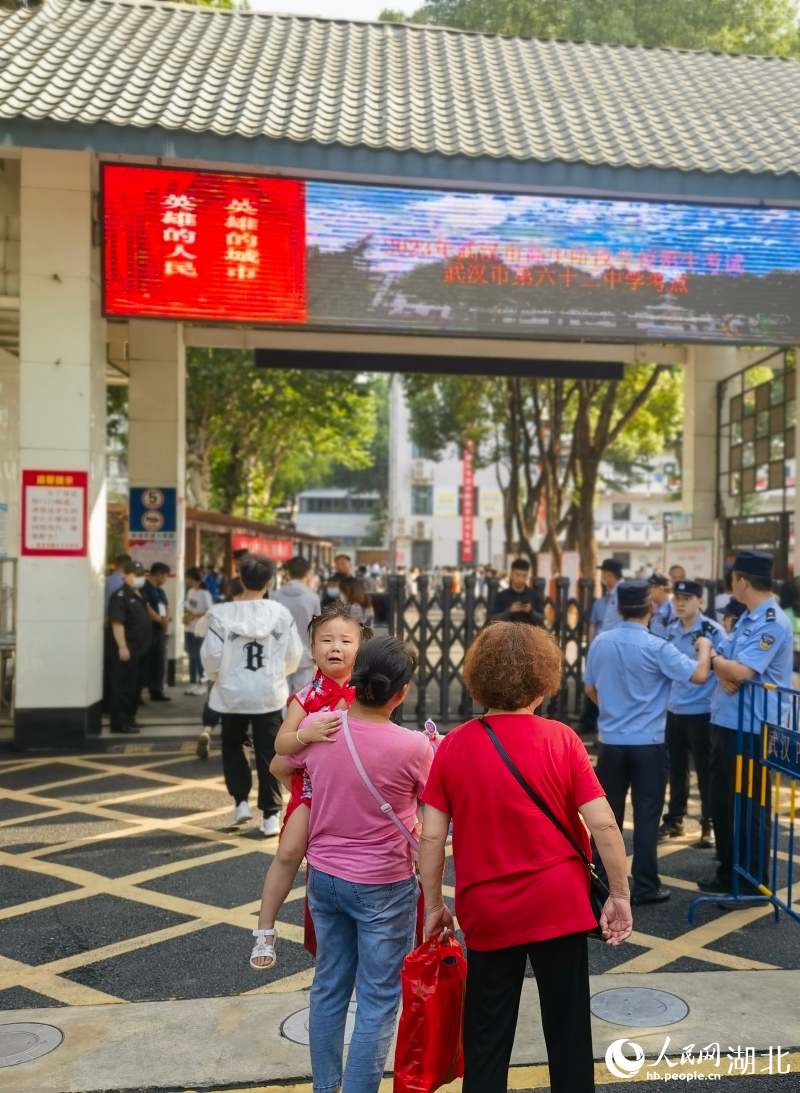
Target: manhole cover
{"points": [[21, 1043], [295, 1028], [638, 1006]]}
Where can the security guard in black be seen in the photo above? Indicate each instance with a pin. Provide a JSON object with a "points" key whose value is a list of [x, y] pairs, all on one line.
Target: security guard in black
{"points": [[132, 634]]}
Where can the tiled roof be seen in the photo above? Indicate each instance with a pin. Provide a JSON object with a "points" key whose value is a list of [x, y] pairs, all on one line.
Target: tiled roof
{"points": [[397, 87]]}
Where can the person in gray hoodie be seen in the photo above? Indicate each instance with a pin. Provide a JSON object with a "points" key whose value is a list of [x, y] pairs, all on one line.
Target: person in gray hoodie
{"points": [[250, 647], [303, 605]]}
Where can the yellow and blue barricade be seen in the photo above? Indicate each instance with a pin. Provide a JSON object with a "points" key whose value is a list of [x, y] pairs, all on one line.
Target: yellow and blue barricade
{"points": [[766, 788]]}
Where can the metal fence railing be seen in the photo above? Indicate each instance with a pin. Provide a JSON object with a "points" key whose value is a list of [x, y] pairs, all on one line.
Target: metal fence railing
{"points": [[767, 773], [441, 624]]}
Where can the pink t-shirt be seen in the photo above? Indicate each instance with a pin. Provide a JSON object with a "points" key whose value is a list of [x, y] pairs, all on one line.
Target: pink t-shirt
{"points": [[348, 835]]}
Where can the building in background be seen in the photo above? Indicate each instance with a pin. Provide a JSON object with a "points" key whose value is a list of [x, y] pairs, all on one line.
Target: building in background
{"points": [[350, 519]]}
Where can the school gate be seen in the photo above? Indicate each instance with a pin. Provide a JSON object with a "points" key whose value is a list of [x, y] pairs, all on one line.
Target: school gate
{"points": [[178, 176]]}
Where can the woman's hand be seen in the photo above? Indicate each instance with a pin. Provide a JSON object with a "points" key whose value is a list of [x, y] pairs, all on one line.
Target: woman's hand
{"points": [[616, 921], [321, 730], [439, 921]]}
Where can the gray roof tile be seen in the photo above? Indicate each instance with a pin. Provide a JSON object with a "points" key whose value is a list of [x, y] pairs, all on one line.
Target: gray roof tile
{"points": [[398, 87]]}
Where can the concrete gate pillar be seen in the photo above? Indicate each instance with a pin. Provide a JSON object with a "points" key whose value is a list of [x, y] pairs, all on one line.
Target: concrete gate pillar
{"points": [[705, 367], [157, 439], [62, 428]]}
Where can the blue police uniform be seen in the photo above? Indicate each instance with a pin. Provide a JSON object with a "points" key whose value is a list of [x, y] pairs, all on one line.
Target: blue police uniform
{"points": [[688, 720], [633, 672], [762, 641], [598, 612], [663, 618], [611, 617]]}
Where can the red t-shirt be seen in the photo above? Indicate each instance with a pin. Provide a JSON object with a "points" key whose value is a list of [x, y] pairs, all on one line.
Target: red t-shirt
{"points": [[517, 878]]}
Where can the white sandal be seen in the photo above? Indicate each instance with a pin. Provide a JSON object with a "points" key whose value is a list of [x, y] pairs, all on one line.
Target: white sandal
{"points": [[262, 949]]}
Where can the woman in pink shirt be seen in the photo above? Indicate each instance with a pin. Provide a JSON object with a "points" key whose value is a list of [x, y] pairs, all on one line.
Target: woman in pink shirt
{"points": [[362, 887]]}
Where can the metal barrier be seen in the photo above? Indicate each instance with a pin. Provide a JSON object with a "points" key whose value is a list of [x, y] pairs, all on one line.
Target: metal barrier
{"points": [[767, 756], [441, 624]]}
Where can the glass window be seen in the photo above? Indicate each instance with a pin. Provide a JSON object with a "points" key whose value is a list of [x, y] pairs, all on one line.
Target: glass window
{"points": [[762, 423], [736, 432], [422, 500], [749, 455], [776, 447], [777, 391], [620, 511]]}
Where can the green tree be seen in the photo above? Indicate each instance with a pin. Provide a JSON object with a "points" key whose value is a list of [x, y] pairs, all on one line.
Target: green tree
{"points": [[244, 423], [730, 26], [552, 436]]}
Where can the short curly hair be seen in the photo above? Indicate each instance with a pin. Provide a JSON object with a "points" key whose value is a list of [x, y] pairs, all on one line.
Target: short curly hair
{"points": [[510, 664]]}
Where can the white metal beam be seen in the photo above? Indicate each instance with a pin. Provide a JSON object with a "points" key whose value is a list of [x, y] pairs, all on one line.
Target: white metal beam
{"points": [[222, 337]]}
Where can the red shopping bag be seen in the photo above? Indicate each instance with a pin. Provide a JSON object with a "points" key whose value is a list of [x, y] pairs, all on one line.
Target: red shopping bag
{"points": [[430, 1046]]}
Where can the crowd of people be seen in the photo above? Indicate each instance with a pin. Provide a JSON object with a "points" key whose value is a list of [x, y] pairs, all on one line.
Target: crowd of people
{"points": [[293, 669], [662, 681]]}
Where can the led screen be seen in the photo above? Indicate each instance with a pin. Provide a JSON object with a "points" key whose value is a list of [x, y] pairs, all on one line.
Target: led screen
{"points": [[239, 248]]}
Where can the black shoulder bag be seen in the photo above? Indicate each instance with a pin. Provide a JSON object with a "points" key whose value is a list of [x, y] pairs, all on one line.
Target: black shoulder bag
{"points": [[598, 892]]}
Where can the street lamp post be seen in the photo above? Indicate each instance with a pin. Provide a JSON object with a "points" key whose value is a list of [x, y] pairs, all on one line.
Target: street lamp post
{"points": [[489, 526]]}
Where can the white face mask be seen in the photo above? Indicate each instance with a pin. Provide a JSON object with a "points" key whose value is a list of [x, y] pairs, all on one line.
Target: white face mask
{"points": [[138, 582]]}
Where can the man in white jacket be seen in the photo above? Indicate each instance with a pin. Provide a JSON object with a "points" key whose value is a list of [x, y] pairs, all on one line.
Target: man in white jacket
{"points": [[303, 605], [251, 646]]}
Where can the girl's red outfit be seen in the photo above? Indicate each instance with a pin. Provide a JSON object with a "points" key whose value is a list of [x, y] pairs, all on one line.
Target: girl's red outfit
{"points": [[321, 695]]}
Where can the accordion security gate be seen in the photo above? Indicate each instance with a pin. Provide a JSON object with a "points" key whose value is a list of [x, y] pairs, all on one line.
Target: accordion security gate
{"points": [[441, 624]]}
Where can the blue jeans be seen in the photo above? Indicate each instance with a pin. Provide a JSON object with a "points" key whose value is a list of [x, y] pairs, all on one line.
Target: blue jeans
{"points": [[364, 933], [192, 645]]}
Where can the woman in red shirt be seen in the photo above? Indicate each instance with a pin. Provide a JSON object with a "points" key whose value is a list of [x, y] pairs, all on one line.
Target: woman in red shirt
{"points": [[521, 889]]}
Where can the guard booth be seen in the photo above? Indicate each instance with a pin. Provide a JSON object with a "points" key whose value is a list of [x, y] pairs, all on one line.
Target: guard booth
{"points": [[176, 176]]}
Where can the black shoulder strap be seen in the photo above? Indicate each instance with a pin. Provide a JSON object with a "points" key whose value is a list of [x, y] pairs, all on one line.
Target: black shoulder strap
{"points": [[534, 796]]}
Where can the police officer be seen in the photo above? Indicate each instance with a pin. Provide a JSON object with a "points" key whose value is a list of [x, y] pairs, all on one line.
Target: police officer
{"points": [[759, 649], [604, 614], [731, 613], [131, 630], [663, 615], [689, 715], [629, 673]]}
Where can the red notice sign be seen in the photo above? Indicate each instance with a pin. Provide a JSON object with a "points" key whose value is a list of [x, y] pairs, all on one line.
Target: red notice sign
{"points": [[202, 245], [54, 513], [278, 550]]}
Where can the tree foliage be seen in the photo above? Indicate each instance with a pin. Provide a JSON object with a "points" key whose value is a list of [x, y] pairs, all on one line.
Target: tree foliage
{"points": [[245, 426], [552, 436], [729, 26]]}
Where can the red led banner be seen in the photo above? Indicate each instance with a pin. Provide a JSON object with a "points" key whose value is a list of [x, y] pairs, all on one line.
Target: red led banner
{"points": [[201, 245]]}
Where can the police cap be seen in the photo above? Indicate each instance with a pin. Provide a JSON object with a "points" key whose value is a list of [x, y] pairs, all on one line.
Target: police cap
{"points": [[688, 588], [659, 579], [612, 566], [753, 563], [633, 594], [733, 609]]}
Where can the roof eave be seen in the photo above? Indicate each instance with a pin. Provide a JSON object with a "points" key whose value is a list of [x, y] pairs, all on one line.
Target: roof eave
{"points": [[405, 167]]}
